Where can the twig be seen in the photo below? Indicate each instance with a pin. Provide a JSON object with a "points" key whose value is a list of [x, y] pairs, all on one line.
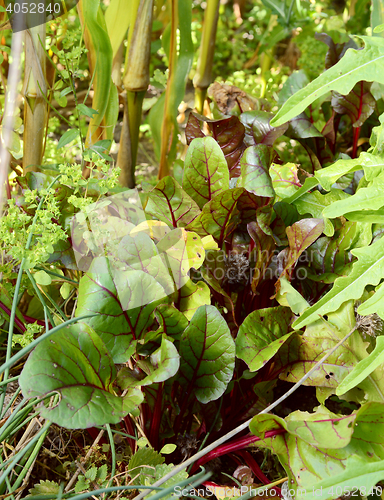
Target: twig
{"points": [[243, 426], [9, 111]]}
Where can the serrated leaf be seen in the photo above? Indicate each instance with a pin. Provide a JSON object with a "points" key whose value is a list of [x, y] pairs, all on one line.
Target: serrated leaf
{"points": [[261, 335], [363, 369], [143, 463], [169, 203], [314, 203], [68, 136], [368, 270], [207, 353], [45, 488], [77, 365], [205, 170], [356, 65]]}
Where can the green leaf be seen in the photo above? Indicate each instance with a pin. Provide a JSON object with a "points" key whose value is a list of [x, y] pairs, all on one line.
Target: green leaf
{"points": [[42, 278], [205, 170], [255, 177], [193, 295], [118, 327], [45, 488], [165, 362], [368, 270], [261, 335], [356, 65], [220, 216], [167, 449], [363, 369], [330, 257], [323, 451], [143, 464], [171, 321], [314, 204], [77, 365], [207, 353], [68, 136], [371, 197], [285, 181], [84, 110], [169, 203]]}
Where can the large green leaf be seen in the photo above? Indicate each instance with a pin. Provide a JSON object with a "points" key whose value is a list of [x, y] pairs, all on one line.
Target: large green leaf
{"points": [[118, 326], [170, 204], [373, 165], [255, 177], [207, 353], [366, 198], [368, 270], [205, 170], [262, 334], [323, 451], [76, 364], [356, 65]]}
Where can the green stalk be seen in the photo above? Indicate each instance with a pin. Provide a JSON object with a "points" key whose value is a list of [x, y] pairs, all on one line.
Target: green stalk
{"points": [[22, 452], [113, 453], [35, 108], [29, 462], [136, 81], [203, 77]]}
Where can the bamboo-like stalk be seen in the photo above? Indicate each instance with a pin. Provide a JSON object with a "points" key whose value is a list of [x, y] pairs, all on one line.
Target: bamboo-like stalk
{"points": [[167, 129], [136, 81], [35, 108], [203, 76]]}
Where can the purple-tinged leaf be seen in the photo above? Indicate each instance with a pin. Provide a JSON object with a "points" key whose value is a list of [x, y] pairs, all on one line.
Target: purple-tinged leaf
{"points": [[170, 204], [300, 236], [254, 165], [193, 128], [262, 334], [359, 104], [117, 326], [220, 216], [228, 132], [261, 254], [205, 171], [258, 129], [301, 127], [76, 364], [172, 322], [324, 453], [207, 353], [336, 50]]}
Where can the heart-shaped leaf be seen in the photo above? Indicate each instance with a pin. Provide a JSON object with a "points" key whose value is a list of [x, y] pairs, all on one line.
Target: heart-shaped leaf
{"points": [[207, 353], [205, 170], [77, 365]]}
